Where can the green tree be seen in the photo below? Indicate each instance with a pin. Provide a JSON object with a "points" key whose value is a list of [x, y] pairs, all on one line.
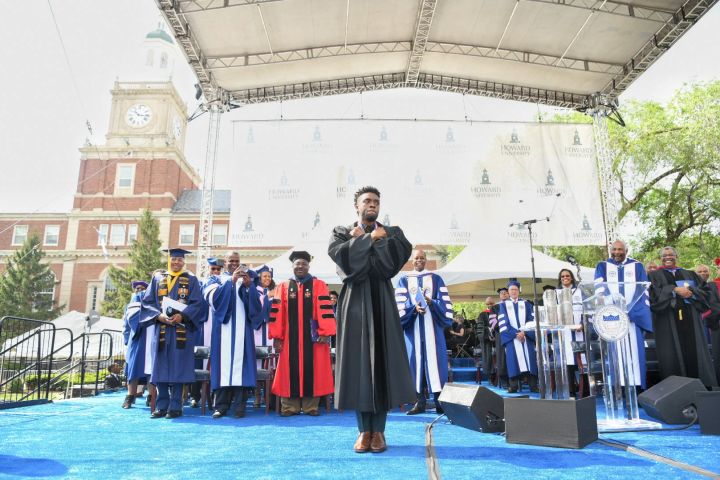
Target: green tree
{"points": [[665, 162], [145, 258], [26, 283]]}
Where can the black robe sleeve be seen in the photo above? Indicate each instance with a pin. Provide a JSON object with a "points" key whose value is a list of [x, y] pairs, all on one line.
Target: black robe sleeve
{"points": [[350, 254], [390, 254]]}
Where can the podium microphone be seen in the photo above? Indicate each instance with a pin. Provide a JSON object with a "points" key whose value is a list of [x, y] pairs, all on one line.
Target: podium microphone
{"points": [[571, 260]]}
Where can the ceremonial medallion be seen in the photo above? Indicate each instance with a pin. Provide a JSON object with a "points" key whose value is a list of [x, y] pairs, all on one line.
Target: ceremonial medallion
{"points": [[611, 323]]}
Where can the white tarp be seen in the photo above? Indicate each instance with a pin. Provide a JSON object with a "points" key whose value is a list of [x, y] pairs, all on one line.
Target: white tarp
{"points": [[321, 267], [502, 261], [75, 322], [444, 183]]}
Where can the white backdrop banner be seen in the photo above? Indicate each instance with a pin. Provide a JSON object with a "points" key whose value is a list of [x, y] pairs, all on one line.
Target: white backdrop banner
{"points": [[444, 183]]}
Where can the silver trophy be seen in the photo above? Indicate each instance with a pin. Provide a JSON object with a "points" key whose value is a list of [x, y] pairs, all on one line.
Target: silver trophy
{"points": [[566, 307], [550, 303]]}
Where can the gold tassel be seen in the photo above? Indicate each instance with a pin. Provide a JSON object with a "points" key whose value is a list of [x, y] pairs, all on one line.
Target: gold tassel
{"points": [[680, 315]]}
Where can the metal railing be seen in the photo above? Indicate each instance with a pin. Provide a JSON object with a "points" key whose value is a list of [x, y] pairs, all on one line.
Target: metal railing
{"points": [[40, 362], [27, 356]]}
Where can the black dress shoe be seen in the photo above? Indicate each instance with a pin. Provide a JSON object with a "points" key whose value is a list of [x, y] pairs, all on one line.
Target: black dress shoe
{"points": [[174, 414], [512, 390], [194, 403], [218, 414], [415, 410], [129, 400], [158, 414]]}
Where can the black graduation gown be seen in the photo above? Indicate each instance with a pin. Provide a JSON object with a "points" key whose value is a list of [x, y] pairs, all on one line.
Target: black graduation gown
{"points": [[713, 323], [372, 371], [681, 345], [500, 363]]}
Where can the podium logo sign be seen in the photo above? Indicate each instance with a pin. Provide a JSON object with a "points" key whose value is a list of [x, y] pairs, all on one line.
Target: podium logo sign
{"points": [[611, 323]]}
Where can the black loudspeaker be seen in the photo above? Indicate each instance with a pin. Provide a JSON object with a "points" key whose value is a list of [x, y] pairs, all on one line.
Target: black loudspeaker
{"points": [[708, 408], [551, 423], [672, 400], [473, 407]]}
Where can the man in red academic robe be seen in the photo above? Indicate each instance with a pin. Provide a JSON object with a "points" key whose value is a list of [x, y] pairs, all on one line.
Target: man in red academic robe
{"points": [[301, 324]]}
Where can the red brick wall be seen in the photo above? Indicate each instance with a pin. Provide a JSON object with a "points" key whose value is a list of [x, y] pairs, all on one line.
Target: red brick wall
{"points": [[34, 226], [153, 176]]}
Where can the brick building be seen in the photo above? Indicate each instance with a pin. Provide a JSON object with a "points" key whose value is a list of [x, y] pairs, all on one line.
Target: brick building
{"points": [[140, 165]]}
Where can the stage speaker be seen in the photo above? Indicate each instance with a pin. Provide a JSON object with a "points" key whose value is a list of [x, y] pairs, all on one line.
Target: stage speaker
{"points": [[473, 407], [708, 409], [672, 400], [551, 423]]}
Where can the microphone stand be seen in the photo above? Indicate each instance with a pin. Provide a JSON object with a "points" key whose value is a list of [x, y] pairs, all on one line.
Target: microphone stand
{"points": [[536, 308]]}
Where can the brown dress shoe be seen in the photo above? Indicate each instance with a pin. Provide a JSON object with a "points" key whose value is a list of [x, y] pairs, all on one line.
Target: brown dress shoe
{"points": [[362, 444], [378, 444]]}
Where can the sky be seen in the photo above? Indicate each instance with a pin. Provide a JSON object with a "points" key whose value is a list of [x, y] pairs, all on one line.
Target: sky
{"points": [[60, 60]]}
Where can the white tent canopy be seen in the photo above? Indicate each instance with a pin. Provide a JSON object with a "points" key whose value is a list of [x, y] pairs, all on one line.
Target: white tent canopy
{"points": [[321, 267], [487, 262], [76, 323]]}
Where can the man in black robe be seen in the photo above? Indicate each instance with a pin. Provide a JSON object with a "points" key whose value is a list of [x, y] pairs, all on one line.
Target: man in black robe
{"points": [[677, 300], [372, 371], [501, 376], [711, 317]]}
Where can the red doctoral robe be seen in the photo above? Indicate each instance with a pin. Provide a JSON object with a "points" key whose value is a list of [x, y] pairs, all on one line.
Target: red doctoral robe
{"points": [[299, 312]]}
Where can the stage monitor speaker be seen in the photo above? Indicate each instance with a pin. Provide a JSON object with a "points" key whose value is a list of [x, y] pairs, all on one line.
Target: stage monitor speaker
{"points": [[551, 423], [473, 407], [672, 400], [708, 409]]}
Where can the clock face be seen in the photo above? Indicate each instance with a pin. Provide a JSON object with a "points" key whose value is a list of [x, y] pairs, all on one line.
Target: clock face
{"points": [[138, 115], [177, 127]]}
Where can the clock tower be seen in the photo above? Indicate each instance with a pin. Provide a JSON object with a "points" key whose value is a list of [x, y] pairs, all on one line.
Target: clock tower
{"points": [[142, 163]]}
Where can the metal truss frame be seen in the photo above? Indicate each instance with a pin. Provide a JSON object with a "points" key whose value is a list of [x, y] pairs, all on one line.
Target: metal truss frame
{"points": [[599, 108], [609, 7], [264, 58], [215, 108], [420, 38], [195, 57], [614, 8], [684, 18], [193, 6], [396, 80]]}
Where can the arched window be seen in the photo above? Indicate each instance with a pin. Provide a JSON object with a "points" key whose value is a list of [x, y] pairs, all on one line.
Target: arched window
{"points": [[163, 60], [109, 285], [149, 60]]}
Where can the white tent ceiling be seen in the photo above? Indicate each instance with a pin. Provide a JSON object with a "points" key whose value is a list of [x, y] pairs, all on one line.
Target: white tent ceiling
{"points": [[555, 52]]}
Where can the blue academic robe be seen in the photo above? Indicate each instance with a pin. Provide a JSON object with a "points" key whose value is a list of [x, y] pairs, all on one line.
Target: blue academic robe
{"points": [[630, 271], [520, 356], [174, 363], [235, 311], [134, 334], [424, 334], [261, 332]]}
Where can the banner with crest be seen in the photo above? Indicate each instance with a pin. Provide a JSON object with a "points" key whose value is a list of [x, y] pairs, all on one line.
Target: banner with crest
{"points": [[448, 183]]}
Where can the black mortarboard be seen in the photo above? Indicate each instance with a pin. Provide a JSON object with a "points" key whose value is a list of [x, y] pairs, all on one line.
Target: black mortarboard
{"points": [[176, 252], [300, 254]]}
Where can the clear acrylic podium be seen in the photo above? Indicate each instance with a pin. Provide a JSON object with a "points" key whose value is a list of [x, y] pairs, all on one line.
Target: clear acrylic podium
{"points": [[606, 306], [556, 323]]}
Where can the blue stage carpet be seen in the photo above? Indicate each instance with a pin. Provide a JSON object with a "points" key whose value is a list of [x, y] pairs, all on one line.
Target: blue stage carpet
{"points": [[95, 438]]}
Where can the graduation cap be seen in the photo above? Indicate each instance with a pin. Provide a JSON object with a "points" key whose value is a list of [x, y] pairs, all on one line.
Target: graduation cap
{"points": [[501, 289], [216, 262], [259, 271], [513, 283], [300, 255], [138, 283], [176, 252]]}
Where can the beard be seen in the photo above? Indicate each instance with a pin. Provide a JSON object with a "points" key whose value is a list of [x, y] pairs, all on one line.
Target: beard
{"points": [[369, 216]]}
